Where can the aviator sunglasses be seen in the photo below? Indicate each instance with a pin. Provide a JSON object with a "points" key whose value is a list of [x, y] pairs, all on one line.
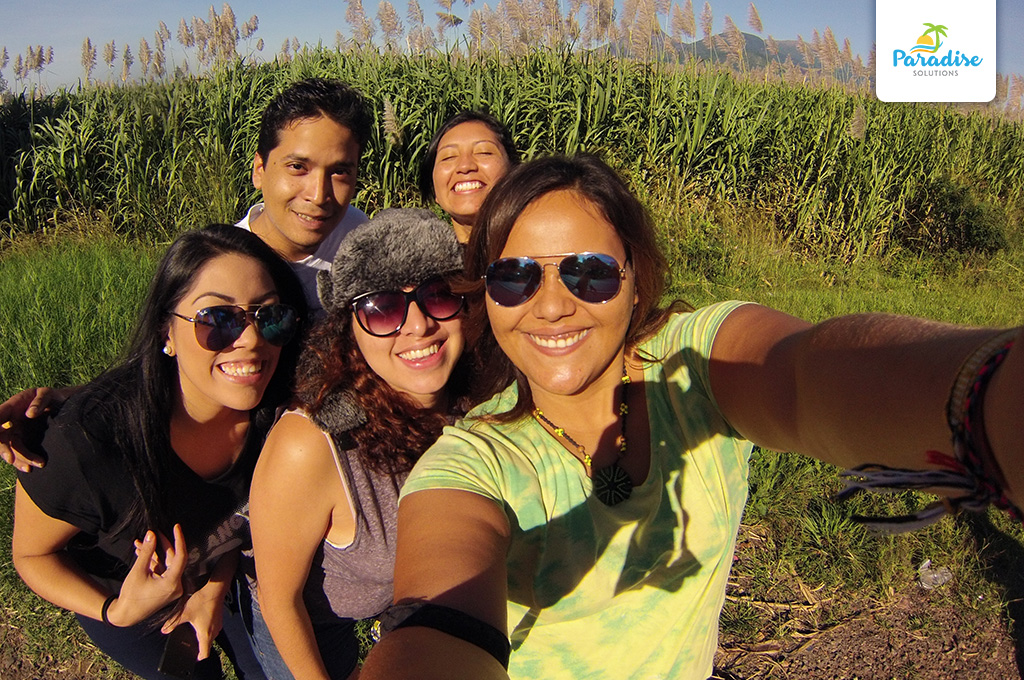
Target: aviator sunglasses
{"points": [[591, 277], [383, 313], [221, 325]]}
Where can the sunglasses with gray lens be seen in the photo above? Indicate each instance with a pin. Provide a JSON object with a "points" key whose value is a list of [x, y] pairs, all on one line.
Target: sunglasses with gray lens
{"points": [[591, 277]]}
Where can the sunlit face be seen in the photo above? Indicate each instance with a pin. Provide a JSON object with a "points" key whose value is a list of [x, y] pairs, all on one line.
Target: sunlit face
{"points": [[419, 359], [563, 345], [470, 159], [235, 377], [307, 181]]}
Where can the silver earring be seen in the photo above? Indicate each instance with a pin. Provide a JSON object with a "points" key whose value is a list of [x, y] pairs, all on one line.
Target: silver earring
{"points": [[167, 350]]}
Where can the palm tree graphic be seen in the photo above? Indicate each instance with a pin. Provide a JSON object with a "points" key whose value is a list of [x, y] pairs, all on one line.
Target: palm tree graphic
{"points": [[925, 43]]}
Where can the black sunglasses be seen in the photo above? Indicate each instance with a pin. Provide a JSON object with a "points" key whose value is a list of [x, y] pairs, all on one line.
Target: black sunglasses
{"points": [[383, 312], [219, 326], [591, 277]]}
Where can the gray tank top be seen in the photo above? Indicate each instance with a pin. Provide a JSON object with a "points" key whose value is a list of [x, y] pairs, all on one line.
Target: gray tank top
{"points": [[356, 581]]}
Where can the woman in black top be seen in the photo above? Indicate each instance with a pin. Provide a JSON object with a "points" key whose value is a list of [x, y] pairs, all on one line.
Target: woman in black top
{"points": [[134, 523]]}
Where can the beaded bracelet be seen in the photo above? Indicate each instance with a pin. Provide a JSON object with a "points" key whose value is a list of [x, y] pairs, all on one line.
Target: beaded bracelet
{"points": [[106, 608], [973, 469]]}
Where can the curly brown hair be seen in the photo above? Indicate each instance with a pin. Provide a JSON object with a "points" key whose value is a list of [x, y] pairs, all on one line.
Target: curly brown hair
{"points": [[397, 430]]}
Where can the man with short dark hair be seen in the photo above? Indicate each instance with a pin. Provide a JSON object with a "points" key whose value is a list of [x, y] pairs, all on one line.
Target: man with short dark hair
{"points": [[306, 164]]}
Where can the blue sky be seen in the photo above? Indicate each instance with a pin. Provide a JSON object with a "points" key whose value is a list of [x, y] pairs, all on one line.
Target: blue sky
{"points": [[64, 24]]}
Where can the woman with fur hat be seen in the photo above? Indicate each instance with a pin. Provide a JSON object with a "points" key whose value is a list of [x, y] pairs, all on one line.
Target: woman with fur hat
{"points": [[378, 381]]}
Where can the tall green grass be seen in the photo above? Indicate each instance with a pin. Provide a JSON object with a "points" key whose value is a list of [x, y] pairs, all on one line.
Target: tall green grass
{"points": [[67, 309], [830, 172]]}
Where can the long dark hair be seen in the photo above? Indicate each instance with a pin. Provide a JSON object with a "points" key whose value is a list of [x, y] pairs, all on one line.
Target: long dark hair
{"points": [[592, 179], [426, 179], [138, 394]]}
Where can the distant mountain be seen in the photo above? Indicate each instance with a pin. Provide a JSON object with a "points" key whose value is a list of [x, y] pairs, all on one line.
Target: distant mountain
{"points": [[755, 52]]}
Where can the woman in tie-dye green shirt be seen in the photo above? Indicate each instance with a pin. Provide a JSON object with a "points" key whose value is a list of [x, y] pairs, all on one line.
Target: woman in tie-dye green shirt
{"points": [[654, 566], [588, 510]]}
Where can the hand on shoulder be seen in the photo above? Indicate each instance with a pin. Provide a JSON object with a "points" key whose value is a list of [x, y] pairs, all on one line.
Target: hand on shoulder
{"points": [[15, 413]]}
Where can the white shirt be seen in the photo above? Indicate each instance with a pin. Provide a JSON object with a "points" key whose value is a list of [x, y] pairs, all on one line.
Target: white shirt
{"points": [[306, 268]]}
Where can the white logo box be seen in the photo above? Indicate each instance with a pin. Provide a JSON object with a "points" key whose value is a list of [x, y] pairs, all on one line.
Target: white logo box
{"points": [[935, 50]]}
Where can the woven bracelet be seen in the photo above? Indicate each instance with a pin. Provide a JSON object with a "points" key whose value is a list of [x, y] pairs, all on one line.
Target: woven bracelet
{"points": [[973, 469], [970, 444]]}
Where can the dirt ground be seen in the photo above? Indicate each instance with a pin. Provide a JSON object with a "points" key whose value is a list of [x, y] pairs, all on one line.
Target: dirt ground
{"points": [[914, 633], [915, 636]]}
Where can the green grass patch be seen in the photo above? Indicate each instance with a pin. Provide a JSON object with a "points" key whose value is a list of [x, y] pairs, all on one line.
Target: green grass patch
{"points": [[67, 308]]}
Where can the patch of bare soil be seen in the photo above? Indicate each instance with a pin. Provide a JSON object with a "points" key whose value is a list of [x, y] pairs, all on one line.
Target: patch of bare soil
{"points": [[794, 631], [915, 635]]}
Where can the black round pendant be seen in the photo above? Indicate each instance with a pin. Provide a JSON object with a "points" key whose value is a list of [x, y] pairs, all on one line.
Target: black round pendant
{"points": [[611, 484]]}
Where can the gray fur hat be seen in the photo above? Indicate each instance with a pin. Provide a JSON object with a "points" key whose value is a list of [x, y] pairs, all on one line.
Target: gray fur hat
{"points": [[397, 248]]}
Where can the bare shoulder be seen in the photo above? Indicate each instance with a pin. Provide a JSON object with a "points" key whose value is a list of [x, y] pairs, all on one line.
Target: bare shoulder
{"points": [[751, 332], [297, 444]]}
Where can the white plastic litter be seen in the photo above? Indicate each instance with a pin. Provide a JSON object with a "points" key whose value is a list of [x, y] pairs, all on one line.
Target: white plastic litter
{"points": [[933, 578]]}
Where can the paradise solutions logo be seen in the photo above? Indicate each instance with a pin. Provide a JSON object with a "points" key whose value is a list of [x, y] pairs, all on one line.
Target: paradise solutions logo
{"points": [[952, 60], [927, 55]]}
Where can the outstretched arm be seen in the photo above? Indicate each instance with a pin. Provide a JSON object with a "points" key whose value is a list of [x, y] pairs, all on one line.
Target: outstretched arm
{"points": [[865, 388], [433, 526]]}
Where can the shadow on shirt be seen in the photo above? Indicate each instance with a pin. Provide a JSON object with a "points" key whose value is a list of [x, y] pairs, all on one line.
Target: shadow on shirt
{"points": [[662, 549]]}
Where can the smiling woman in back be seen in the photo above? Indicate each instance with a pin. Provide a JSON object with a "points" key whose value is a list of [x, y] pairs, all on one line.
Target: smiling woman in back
{"points": [[467, 155]]}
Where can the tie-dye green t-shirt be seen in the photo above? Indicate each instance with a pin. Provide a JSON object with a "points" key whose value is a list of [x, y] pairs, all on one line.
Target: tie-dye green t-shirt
{"points": [[629, 591]]}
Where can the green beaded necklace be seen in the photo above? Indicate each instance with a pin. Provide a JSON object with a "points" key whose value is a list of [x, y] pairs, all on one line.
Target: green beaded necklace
{"points": [[612, 484]]}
